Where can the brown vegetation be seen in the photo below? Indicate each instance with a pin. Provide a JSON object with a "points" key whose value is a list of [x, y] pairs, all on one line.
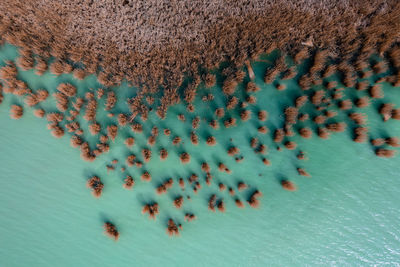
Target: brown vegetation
{"points": [[112, 131], [358, 118], [146, 153], [16, 112], [303, 172], [360, 135], [288, 185], [290, 145], [129, 182], [163, 154], [291, 114], [279, 134], [376, 91], [211, 202], [130, 141], [96, 185], [384, 153], [172, 228], [151, 209], [345, 104], [305, 132], [393, 141], [184, 157], [362, 102], [146, 176], [39, 113], [386, 110], [111, 100], [336, 127], [189, 217], [111, 230], [253, 201], [178, 202]]}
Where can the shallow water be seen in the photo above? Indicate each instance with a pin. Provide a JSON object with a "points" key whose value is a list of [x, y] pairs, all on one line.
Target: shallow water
{"points": [[347, 214]]}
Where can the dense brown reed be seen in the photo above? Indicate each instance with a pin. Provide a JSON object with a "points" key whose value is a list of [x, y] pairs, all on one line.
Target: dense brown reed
{"points": [[386, 111], [230, 122], [41, 66], [376, 91], [130, 141], [280, 87], [396, 114], [111, 100], [16, 112], [219, 112], [181, 183], [90, 112], [67, 89], [178, 202], [251, 87], [210, 80], [96, 185], [305, 132], [57, 67], [137, 128], [39, 113], [94, 128], [73, 127], [176, 141], [221, 205], [229, 85], [358, 118], [151, 209], [323, 132], [385, 153], [239, 203], [57, 131], [251, 99], [360, 135], [303, 172], [279, 134], [241, 186], [196, 122], [184, 157], [214, 124], [112, 131], [291, 145], [378, 142], [393, 141], [146, 153], [291, 114], [205, 167], [345, 104], [232, 102], [130, 160], [336, 127], [362, 102], [111, 230], [253, 201], [211, 202], [76, 141], [189, 217], [288, 185], [146, 176], [129, 183], [122, 119], [163, 154], [167, 132], [172, 228]]}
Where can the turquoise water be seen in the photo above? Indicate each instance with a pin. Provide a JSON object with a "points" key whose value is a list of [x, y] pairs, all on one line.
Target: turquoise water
{"points": [[347, 214]]}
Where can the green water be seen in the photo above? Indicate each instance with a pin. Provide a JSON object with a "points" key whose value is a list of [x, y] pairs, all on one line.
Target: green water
{"points": [[347, 214]]}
